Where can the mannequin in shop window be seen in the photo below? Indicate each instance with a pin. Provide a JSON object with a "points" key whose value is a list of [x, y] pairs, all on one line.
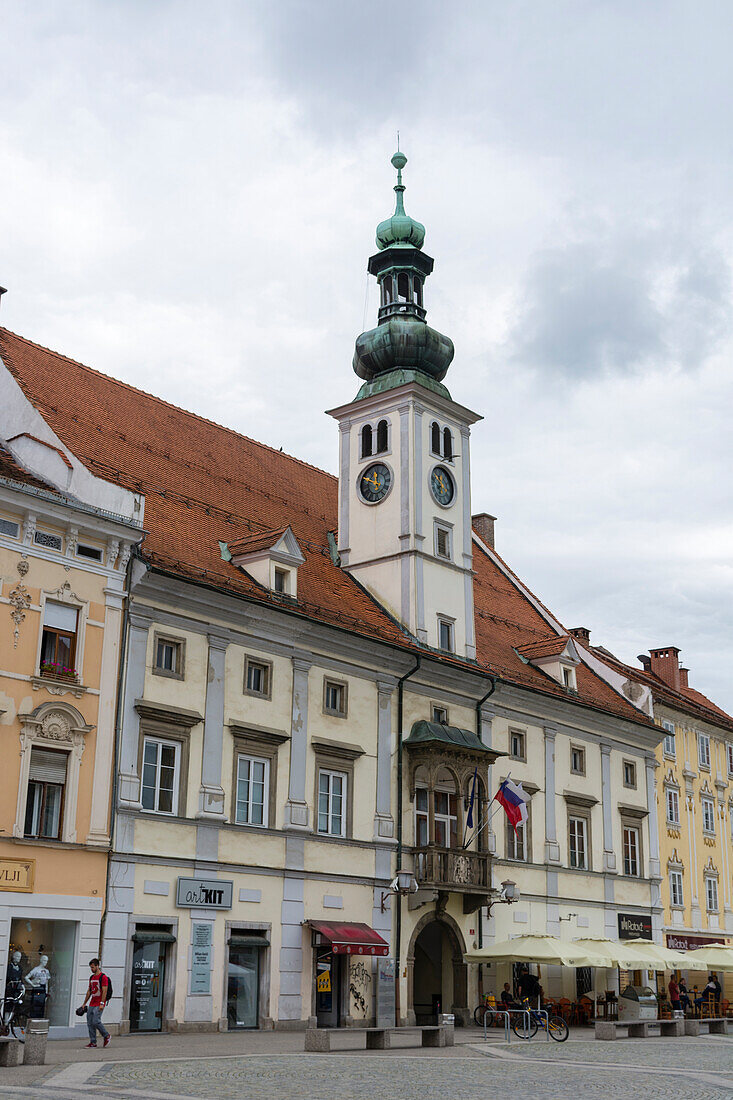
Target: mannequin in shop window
{"points": [[13, 975], [39, 982]]}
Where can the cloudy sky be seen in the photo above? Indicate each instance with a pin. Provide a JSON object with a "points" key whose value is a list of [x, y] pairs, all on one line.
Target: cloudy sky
{"points": [[188, 197]]}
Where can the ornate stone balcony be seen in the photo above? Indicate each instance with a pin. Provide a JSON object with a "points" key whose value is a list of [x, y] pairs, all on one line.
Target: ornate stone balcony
{"points": [[454, 870]]}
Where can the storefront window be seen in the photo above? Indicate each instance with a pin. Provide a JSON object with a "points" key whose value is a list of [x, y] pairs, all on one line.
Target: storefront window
{"points": [[49, 982], [243, 986], [148, 974]]}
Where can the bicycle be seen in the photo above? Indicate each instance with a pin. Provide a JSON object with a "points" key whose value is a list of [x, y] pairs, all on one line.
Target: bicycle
{"points": [[13, 1015], [484, 1013], [555, 1026]]}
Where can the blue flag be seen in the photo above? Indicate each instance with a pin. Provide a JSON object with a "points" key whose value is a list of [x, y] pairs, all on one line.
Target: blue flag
{"points": [[469, 819]]}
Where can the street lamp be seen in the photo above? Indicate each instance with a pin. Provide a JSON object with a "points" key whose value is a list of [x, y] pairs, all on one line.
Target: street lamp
{"points": [[508, 894], [402, 884]]}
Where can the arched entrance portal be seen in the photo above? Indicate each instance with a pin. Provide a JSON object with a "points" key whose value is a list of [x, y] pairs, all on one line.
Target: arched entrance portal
{"points": [[436, 972]]}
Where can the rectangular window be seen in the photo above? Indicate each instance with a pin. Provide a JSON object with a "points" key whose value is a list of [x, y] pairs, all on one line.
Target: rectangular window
{"points": [[7, 527], [253, 781], [669, 742], [440, 715], [58, 643], [673, 806], [46, 539], [577, 760], [517, 745], [257, 677], [92, 552], [161, 765], [422, 824], [729, 748], [282, 581], [711, 894], [445, 636], [676, 892], [516, 842], [169, 657], [629, 774], [334, 698], [568, 679], [45, 800], [708, 815], [442, 541], [703, 750], [332, 803], [631, 851], [578, 842], [445, 813]]}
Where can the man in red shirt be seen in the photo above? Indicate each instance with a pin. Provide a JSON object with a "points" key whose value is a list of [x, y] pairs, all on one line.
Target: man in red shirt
{"points": [[674, 994], [97, 998]]}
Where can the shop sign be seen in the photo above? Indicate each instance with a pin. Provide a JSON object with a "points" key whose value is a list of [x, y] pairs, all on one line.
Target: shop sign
{"points": [[17, 874], [323, 981], [204, 893], [385, 992], [679, 942], [631, 927], [201, 957]]}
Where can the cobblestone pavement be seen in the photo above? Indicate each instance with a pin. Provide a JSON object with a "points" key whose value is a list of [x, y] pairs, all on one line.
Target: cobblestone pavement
{"points": [[702, 1070]]}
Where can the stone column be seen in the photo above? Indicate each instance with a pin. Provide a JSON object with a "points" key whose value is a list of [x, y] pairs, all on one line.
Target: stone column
{"points": [[211, 793], [137, 648], [552, 848], [105, 738], [383, 820], [609, 855], [296, 807]]}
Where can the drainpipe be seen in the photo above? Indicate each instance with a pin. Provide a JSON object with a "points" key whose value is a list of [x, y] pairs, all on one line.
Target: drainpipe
{"points": [[480, 703], [398, 897]]}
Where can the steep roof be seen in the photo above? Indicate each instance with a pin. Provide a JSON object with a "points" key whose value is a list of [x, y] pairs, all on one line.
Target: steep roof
{"points": [[11, 470], [687, 699], [205, 484], [552, 646]]}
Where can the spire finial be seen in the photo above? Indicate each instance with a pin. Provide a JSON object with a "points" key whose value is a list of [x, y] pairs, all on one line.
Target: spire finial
{"points": [[400, 229]]}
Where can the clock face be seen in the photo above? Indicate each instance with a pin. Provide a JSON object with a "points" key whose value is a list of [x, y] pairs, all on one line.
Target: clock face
{"points": [[375, 482], [442, 485]]}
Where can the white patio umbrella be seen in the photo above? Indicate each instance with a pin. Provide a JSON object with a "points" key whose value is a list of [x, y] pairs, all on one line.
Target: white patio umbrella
{"points": [[623, 954], [712, 957], [535, 948], [660, 958]]}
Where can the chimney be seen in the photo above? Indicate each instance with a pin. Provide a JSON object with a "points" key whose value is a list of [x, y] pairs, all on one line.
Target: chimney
{"points": [[582, 633], [3, 290], [645, 660], [483, 525], [684, 673], [665, 663]]}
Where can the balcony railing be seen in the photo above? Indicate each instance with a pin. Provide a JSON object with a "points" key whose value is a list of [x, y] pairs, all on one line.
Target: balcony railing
{"points": [[453, 869]]}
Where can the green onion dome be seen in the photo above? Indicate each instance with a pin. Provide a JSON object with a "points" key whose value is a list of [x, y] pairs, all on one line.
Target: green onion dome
{"points": [[400, 229]]}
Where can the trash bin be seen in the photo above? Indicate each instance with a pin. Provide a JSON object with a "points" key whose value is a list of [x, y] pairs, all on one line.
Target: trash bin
{"points": [[36, 1037]]}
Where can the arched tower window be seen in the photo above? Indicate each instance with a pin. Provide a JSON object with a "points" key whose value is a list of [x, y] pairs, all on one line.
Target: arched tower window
{"points": [[417, 284], [366, 440], [403, 287], [382, 436], [447, 444], [435, 438], [387, 291]]}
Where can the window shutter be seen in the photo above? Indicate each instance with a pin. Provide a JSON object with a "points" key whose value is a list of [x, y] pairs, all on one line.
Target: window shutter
{"points": [[59, 616], [48, 767]]}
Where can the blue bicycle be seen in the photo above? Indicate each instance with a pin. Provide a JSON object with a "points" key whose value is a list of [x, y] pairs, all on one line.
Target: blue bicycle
{"points": [[525, 1028]]}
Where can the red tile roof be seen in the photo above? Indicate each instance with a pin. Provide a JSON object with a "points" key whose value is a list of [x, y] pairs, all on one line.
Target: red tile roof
{"points": [[552, 646], [204, 483], [251, 544]]}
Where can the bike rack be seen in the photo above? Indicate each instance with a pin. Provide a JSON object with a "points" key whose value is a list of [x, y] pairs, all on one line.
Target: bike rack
{"points": [[526, 1019]]}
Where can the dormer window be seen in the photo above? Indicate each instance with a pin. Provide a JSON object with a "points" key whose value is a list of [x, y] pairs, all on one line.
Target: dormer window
{"points": [[568, 679], [270, 558], [556, 656]]}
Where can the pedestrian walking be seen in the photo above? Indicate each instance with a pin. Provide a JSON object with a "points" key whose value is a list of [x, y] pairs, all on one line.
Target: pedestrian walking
{"points": [[97, 997]]}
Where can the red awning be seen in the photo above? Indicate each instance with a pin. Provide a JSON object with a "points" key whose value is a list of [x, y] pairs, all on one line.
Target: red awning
{"points": [[351, 939]]}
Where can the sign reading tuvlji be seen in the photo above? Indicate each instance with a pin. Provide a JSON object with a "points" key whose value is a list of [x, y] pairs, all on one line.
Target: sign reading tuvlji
{"points": [[204, 893], [17, 874]]}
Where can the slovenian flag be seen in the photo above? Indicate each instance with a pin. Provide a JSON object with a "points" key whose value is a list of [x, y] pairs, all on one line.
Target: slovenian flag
{"points": [[514, 800]]}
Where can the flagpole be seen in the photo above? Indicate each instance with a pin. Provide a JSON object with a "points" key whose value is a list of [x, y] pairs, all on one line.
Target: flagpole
{"points": [[477, 832]]}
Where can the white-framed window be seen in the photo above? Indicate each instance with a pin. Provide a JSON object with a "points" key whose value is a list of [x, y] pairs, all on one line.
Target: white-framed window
{"points": [[253, 783], [445, 813], [569, 680], [422, 820], [443, 541], [629, 773], [93, 553], [516, 842], [578, 842], [577, 760], [59, 639], [711, 894], [332, 802], [517, 744], [703, 750], [708, 815], [673, 806], [669, 738], [440, 715], [441, 441], [729, 755], [676, 890], [632, 861], [374, 439], [282, 582], [9, 527], [161, 768], [45, 800], [446, 635]]}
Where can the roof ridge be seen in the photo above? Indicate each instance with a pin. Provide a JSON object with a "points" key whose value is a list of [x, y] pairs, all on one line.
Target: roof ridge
{"points": [[162, 401]]}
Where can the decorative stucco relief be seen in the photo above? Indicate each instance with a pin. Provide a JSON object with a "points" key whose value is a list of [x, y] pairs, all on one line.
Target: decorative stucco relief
{"points": [[20, 601]]}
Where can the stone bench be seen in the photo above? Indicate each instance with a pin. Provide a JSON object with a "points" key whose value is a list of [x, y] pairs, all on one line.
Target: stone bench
{"points": [[639, 1029], [379, 1038], [717, 1025]]}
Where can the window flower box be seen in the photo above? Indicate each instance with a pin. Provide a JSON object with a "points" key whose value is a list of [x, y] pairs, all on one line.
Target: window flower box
{"points": [[50, 670]]}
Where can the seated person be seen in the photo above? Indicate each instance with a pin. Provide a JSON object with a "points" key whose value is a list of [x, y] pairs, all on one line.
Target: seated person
{"points": [[506, 999]]}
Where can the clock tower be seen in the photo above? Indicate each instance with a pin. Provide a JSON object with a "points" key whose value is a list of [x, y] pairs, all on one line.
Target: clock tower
{"points": [[404, 469]]}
